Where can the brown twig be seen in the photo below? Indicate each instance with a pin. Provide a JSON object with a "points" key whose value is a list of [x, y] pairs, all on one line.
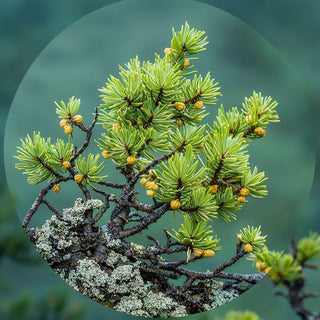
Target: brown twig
{"points": [[39, 199], [155, 162], [145, 221], [52, 208]]}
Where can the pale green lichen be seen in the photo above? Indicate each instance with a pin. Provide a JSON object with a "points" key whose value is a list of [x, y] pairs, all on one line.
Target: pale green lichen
{"points": [[115, 258], [76, 214], [58, 230], [111, 242], [137, 249], [92, 278], [54, 231], [115, 281]]}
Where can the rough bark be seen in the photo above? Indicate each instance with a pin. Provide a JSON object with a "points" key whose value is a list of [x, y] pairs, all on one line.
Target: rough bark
{"points": [[111, 271]]}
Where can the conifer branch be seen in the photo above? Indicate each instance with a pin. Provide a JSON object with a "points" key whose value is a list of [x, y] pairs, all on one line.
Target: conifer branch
{"points": [[157, 161], [145, 221], [52, 208], [87, 139], [39, 198]]}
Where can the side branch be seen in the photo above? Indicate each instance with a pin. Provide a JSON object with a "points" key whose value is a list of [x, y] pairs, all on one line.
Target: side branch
{"points": [[88, 137], [111, 184], [54, 172], [194, 275], [145, 222], [39, 200], [155, 162], [229, 263]]}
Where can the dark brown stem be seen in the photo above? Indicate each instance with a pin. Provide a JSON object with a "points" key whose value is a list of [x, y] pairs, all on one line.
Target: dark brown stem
{"points": [[142, 206], [249, 278], [195, 98], [248, 131], [54, 172], [159, 96], [296, 297], [214, 179], [145, 222], [147, 124], [39, 199], [191, 209], [111, 184], [88, 137], [155, 162], [52, 208], [229, 263], [101, 212]]}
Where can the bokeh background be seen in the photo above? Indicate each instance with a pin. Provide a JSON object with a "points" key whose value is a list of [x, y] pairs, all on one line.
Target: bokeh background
{"points": [[286, 67]]}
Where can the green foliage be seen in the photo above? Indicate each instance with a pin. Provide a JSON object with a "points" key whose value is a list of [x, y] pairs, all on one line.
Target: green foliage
{"points": [[281, 267], [58, 153], [196, 234], [240, 315], [284, 267], [253, 236], [150, 114], [124, 142], [186, 42], [227, 204], [66, 111], [308, 247], [178, 177], [188, 135], [90, 168], [32, 154], [225, 154], [200, 204], [259, 111], [198, 88], [252, 180]]}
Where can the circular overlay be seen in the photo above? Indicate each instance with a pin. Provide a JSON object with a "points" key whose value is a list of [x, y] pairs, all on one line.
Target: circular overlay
{"points": [[81, 58]]}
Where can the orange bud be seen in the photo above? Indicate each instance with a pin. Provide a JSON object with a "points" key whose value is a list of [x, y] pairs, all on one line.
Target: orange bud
{"points": [[241, 199], [151, 174], [68, 129], [153, 186], [143, 181], [197, 252], [77, 118], [66, 164], [131, 160], [260, 131], [239, 237], [198, 105], [150, 193], [78, 178], [63, 123], [105, 154], [267, 269], [179, 122], [180, 106], [248, 247], [116, 126], [186, 63], [56, 188], [259, 265], [175, 204], [214, 188], [208, 253], [167, 51], [244, 192]]}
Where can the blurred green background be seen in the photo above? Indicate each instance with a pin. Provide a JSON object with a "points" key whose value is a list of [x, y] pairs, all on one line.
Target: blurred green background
{"points": [[238, 57]]}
